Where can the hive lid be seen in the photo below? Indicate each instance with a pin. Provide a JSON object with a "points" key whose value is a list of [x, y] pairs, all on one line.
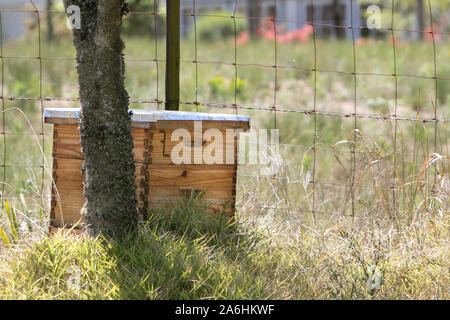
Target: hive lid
{"points": [[139, 115]]}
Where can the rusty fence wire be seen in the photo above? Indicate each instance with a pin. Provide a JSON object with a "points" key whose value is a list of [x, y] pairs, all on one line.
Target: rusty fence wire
{"points": [[317, 177]]}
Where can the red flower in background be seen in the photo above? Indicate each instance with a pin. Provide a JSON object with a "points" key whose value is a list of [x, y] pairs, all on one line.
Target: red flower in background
{"points": [[302, 34], [243, 38], [398, 43], [429, 34], [364, 41], [268, 29]]}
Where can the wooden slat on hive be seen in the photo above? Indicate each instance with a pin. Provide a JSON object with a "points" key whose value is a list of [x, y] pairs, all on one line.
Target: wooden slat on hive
{"points": [[69, 199], [166, 124], [66, 141], [67, 144], [189, 125], [69, 182], [195, 176], [169, 184], [162, 146], [142, 139]]}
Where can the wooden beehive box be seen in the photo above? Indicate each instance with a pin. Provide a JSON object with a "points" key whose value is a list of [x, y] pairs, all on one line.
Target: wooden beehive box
{"points": [[160, 182]]}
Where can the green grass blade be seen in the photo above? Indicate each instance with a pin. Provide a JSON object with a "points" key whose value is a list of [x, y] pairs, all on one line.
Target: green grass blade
{"points": [[41, 216], [12, 220], [4, 236]]}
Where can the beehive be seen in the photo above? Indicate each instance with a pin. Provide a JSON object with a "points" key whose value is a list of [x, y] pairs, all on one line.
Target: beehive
{"points": [[160, 182]]}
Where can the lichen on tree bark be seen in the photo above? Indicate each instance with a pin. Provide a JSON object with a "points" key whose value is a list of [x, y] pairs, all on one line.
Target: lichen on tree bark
{"points": [[105, 123]]}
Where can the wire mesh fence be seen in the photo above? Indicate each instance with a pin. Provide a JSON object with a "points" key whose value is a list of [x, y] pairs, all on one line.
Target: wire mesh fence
{"points": [[363, 120]]}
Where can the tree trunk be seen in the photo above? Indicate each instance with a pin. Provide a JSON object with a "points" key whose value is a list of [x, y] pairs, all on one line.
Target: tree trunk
{"points": [[105, 123], [337, 19], [253, 12], [49, 21], [420, 18]]}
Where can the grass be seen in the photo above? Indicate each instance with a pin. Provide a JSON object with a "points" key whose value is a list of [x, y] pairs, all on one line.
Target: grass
{"points": [[184, 253], [277, 247]]}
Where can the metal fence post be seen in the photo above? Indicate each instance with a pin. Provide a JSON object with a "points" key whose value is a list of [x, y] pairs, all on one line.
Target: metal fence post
{"points": [[173, 56]]}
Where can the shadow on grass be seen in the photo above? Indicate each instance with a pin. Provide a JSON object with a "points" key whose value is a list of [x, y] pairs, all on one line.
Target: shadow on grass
{"points": [[185, 252]]}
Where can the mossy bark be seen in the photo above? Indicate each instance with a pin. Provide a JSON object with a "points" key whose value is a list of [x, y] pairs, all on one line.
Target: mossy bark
{"points": [[105, 123]]}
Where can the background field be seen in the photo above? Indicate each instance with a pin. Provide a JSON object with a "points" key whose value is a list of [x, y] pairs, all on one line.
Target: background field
{"points": [[347, 204]]}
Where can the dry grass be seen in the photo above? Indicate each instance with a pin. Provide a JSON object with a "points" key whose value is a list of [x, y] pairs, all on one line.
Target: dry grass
{"points": [[184, 253], [294, 239]]}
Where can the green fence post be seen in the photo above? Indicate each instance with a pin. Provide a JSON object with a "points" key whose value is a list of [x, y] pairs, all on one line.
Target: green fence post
{"points": [[173, 56]]}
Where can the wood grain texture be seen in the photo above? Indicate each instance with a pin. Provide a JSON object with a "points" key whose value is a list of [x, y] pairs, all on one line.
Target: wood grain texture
{"points": [[162, 147], [66, 143], [160, 183], [149, 145], [69, 198], [191, 176]]}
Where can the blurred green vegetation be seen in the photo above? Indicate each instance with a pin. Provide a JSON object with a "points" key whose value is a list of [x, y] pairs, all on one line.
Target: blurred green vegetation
{"points": [[195, 256], [294, 85], [185, 253], [215, 27]]}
